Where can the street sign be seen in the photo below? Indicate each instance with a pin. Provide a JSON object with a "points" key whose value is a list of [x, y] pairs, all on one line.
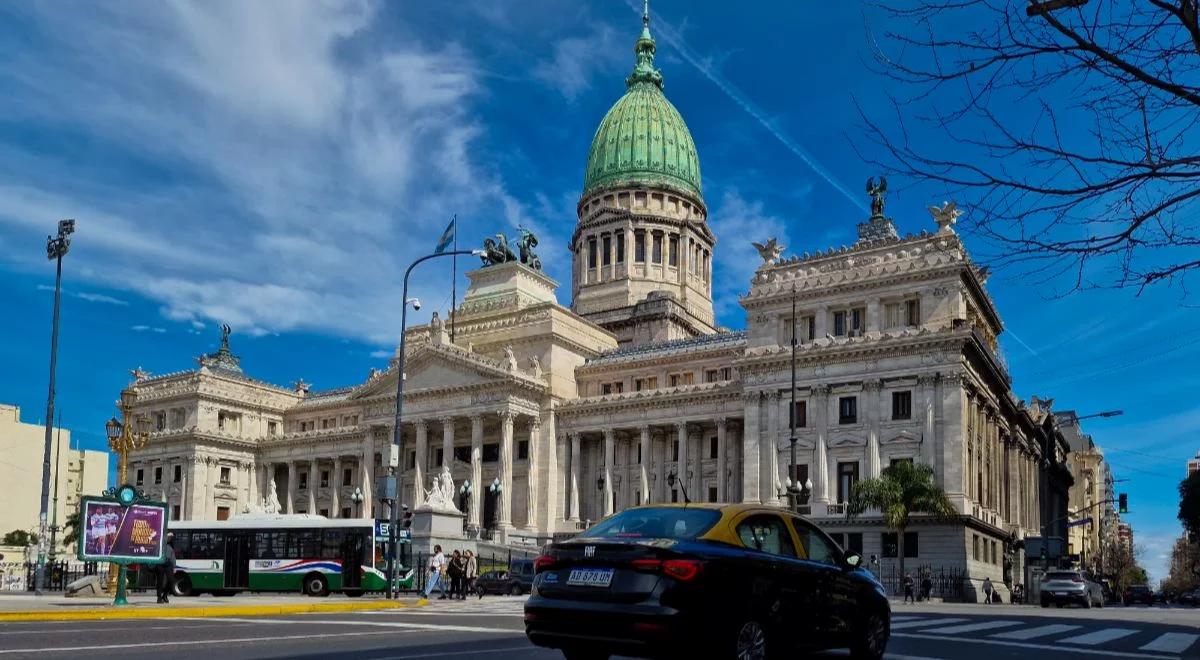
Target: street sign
{"points": [[382, 528], [1080, 522], [385, 487]]}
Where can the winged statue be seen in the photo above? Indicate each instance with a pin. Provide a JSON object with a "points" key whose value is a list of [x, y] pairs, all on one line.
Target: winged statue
{"points": [[945, 215], [769, 251]]}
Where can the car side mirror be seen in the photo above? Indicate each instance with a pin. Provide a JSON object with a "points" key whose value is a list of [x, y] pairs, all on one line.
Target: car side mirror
{"points": [[853, 559]]}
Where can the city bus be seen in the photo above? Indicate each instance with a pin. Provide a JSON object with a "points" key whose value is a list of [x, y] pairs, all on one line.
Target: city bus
{"points": [[297, 553]]}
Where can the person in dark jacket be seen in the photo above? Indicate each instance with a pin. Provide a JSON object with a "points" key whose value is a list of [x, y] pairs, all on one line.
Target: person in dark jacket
{"points": [[166, 571]]}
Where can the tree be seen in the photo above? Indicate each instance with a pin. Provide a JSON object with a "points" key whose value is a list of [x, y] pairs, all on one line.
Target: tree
{"points": [[901, 490], [1189, 505], [20, 537], [71, 526], [1069, 134]]}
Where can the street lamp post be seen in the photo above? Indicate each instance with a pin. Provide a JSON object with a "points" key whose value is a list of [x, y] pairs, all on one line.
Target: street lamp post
{"points": [[56, 249], [123, 438], [793, 488], [394, 513], [357, 497]]}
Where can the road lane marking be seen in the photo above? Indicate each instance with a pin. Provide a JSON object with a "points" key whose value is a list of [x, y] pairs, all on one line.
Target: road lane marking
{"points": [[904, 618], [925, 622], [1099, 636], [51, 630], [1171, 642], [1040, 631], [460, 653], [972, 627], [432, 627], [1090, 652], [197, 642]]}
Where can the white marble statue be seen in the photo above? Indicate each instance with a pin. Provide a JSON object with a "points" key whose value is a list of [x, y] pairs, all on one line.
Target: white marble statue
{"points": [[440, 497], [945, 216], [510, 359], [535, 365], [447, 486], [769, 251], [271, 501]]}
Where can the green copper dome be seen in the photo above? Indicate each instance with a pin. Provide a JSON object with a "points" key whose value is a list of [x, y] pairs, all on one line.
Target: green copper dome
{"points": [[643, 139]]}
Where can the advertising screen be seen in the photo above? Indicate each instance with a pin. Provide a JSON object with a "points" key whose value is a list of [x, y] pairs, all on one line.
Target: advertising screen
{"points": [[132, 534]]}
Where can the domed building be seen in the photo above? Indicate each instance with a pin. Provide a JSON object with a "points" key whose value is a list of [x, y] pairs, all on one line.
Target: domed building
{"points": [[538, 418], [642, 247]]}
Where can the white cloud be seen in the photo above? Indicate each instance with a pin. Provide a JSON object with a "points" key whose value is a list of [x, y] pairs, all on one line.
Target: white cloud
{"points": [[737, 223], [382, 354], [578, 60], [90, 297], [147, 328]]}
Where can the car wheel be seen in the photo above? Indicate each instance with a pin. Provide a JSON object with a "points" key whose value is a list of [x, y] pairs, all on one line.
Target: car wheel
{"points": [[315, 585], [750, 641], [515, 590], [480, 591], [183, 585], [871, 639]]}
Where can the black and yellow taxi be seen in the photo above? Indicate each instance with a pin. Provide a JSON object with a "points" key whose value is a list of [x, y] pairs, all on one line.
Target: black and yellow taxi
{"points": [[717, 581]]}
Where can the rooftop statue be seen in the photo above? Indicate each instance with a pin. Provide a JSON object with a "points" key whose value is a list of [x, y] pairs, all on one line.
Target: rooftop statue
{"points": [[945, 216], [877, 192], [769, 251], [500, 250]]}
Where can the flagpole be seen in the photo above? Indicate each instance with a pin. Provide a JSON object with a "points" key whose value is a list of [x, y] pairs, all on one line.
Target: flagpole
{"points": [[454, 278]]}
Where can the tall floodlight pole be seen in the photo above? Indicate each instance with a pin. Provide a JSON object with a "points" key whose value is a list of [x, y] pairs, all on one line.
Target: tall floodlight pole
{"points": [[56, 249], [57, 465], [394, 513]]}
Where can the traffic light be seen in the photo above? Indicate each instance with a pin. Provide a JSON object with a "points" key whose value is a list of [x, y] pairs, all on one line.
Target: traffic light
{"points": [[1123, 503]]}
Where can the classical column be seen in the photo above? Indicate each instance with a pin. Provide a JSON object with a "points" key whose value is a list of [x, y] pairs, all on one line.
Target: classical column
{"points": [[609, 458], [553, 511], [531, 475], [643, 476], [695, 486], [478, 490], [574, 477], [873, 395], [335, 489], [929, 385], [721, 462], [504, 519], [251, 484], [448, 442], [421, 427], [314, 481], [210, 505], [750, 447], [681, 465], [820, 462], [769, 471], [185, 498], [366, 474], [291, 487]]}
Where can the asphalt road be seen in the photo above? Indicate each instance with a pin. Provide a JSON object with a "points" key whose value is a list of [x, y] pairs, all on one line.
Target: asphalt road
{"points": [[492, 628]]}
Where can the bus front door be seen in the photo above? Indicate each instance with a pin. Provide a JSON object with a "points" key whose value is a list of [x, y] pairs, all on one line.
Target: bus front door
{"points": [[353, 549], [237, 561]]}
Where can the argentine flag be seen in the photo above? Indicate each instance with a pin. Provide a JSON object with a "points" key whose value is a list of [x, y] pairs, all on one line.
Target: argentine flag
{"points": [[446, 239]]}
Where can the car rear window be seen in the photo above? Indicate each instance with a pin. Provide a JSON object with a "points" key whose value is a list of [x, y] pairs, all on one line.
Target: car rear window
{"points": [[1062, 576], [655, 523]]}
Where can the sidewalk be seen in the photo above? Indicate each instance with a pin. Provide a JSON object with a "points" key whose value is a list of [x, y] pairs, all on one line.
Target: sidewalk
{"points": [[28, 607]]}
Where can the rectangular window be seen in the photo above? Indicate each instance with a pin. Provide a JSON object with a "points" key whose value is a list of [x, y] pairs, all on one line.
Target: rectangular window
{"points": [[222, 513], [175, 512], [272, 428], [799, 415], [606, 389], [848, 410], [712, 493], [523, 450], [891, 315], [138, 480], [995, 555], [158, 475], [712, 447], [324, 424], [462, 454], [346, 512], [225, 476], [912, 310], [856, 320], [302, 480], [160, 421], [902, 405], [591, 253], [847, 477], [839, 324], [348, 474], [854, 542], [606, 257], [439, 455], [808, 328], [711, 375], [674, 496], [324, 478], [975, 547], [656, 251], [639, 247], [323, 512], [652, 383], [620, 247], [801, 476], [673, 251], [618, 387], [639, 384], [491, 452], [890, 545], [674, 450]]}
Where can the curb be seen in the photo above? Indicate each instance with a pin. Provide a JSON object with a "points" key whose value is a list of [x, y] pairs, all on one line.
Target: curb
{"points": [[135, 612]]}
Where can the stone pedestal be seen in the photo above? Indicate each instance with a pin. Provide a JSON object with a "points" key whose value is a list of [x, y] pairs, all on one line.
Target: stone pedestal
{"points": [[430, 527]]}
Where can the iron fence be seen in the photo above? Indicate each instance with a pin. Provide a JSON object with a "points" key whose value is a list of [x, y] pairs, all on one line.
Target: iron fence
{"points": [[487, 561], [949, 584], [59, 574]]}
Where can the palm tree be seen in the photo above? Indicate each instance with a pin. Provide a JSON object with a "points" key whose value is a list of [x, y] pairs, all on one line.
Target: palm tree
{"points": [[71, 526], [901, 490]]}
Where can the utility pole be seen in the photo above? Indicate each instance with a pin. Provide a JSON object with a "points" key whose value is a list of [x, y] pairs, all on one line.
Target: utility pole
{"points": [[57, 465], [56, 249]]}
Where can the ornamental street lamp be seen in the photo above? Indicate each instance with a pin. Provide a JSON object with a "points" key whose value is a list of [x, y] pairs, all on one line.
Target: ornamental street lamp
{"points": [[56, 249], [394, 513], [124, 435], [357, 497], [793, 490]]}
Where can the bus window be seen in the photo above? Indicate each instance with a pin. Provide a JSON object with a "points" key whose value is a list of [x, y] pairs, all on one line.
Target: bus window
{"points": [[331, 548], [182, 544], [270, 545], [206, 545]]}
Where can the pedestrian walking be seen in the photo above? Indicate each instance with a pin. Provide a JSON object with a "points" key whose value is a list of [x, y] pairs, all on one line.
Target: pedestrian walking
{"points": [[435, 571], [166, 571], [454, 570], [908, 588], [987, 590], [926, 586], [472, 572]]}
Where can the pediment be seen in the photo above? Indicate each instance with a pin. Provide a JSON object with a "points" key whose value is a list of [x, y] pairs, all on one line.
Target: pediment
{"points": [[846, 441], [901, 437], [433, 367]]}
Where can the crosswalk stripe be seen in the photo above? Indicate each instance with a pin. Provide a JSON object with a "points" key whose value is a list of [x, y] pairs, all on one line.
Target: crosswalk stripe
{"points": [[1171, 642], [925, 622], [1040, 631], [905, 618], [971, 627], [1098, 637]]}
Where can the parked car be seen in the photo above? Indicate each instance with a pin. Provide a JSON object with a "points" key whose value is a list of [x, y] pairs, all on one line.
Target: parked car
{"points": [[1066, 587], [523, 570], [1189, 598], [500, 582], [706, 580], [1138, 594]]}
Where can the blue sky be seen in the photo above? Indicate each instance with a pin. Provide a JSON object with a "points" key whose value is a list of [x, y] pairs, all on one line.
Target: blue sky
{"points": [[277, 170]]}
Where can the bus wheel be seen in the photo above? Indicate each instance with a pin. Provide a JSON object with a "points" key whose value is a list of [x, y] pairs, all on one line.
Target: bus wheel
{"points": [[315, 585], [183, 585], [353, 593]]}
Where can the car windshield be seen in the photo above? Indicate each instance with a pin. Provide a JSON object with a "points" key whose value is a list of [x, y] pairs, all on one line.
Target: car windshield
{"points": [[1062, 576], [656, 523]]}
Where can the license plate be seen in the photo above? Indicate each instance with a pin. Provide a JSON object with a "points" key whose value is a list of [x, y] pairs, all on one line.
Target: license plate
{"points": [[590, 577]]}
